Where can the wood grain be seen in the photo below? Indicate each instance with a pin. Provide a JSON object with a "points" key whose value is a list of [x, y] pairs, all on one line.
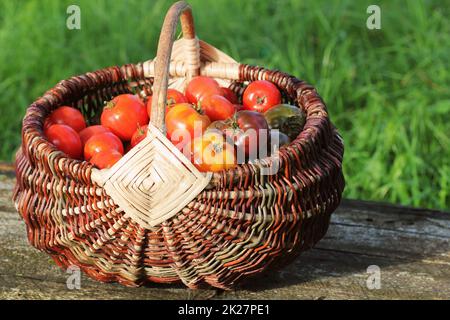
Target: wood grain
{"points": [[411, 247]]}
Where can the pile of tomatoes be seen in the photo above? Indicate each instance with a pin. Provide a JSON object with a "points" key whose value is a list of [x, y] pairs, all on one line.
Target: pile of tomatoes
{"points": [[207, 123]]}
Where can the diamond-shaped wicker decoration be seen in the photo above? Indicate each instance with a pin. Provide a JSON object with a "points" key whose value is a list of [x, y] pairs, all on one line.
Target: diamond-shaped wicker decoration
{"points": [[153, 181]]}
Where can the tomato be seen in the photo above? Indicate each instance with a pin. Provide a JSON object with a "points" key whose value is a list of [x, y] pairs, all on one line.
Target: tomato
{"points": [[249, 131], [200, 87], [211, 152], [260, 96], [173, 97], [65, 139], [139, 135], [90, 131], [254, 132], [278, 139], [123, 115], [66, 115], [184, 123], [105, 159], [217, 107], [102, 142], [287, 118], [229, 95]]}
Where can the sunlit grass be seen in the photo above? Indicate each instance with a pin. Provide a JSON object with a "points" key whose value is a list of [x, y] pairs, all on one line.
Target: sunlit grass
{"points": [[387, 90]]}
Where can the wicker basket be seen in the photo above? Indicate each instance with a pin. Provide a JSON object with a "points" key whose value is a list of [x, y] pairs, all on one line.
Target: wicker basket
{"points": [[153, 217]]}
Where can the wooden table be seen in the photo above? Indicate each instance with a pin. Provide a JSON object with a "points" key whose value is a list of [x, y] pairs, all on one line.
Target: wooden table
{"points": [[411, 247]]}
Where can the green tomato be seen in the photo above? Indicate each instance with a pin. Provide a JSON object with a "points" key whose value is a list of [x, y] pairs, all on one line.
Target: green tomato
{"points": [[286, 118]]}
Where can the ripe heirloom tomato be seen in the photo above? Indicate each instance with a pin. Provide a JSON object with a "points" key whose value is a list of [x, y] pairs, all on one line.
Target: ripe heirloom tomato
{"points": [[200, 87], [123, 115], [90, 131], [211, 152], [184, 123], [66, 115], [105, 159], [139, 135], [286, 118], [217, 107], [261, 95], [254, 132], [65, 139], [278, 139], [249, 131], [229, 95], [102, 142], [173, 97]]}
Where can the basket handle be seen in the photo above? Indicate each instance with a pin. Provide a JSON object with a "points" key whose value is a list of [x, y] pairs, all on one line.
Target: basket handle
{"points": [[178, 11]]}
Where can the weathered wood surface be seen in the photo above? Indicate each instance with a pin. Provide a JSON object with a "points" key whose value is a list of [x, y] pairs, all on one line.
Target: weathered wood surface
{"points": [[410, 246]]}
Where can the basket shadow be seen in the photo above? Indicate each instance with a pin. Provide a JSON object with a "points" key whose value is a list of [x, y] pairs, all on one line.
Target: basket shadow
{"points": [[362, 234]]}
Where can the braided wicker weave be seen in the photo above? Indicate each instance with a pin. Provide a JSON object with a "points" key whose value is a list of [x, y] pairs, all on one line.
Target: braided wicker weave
{"points": [[230, 224]]}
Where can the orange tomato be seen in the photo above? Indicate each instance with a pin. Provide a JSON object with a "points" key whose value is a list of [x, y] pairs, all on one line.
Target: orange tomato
{"points": [[184, 123], [211, 152]]}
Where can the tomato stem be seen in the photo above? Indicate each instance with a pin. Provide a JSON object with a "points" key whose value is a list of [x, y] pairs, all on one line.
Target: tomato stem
{"points": [[260, 100], [110, 104], [198, 107]]}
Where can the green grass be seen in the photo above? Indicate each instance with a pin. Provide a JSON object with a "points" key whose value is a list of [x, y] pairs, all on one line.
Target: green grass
{"points": [[387, 90]]}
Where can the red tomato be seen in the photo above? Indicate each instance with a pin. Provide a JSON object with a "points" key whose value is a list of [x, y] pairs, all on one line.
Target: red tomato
{"points": [[173, 97], [65, 139], [184, 123], [123, 115], [217, 107], [260, 96], [102, 142], [211, 152], [200, 87], [105, 159], [229, 95], [90, 131], [66, 115], [138, 136]]}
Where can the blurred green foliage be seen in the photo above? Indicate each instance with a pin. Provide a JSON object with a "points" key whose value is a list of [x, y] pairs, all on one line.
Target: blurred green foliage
{"points": [[387, 90]]}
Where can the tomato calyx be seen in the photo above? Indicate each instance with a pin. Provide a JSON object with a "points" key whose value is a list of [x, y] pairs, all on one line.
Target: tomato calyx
{"points": [[261, 100], [171, 101], [110, 104], [233, 124], [198, 107], [140, 129]]}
